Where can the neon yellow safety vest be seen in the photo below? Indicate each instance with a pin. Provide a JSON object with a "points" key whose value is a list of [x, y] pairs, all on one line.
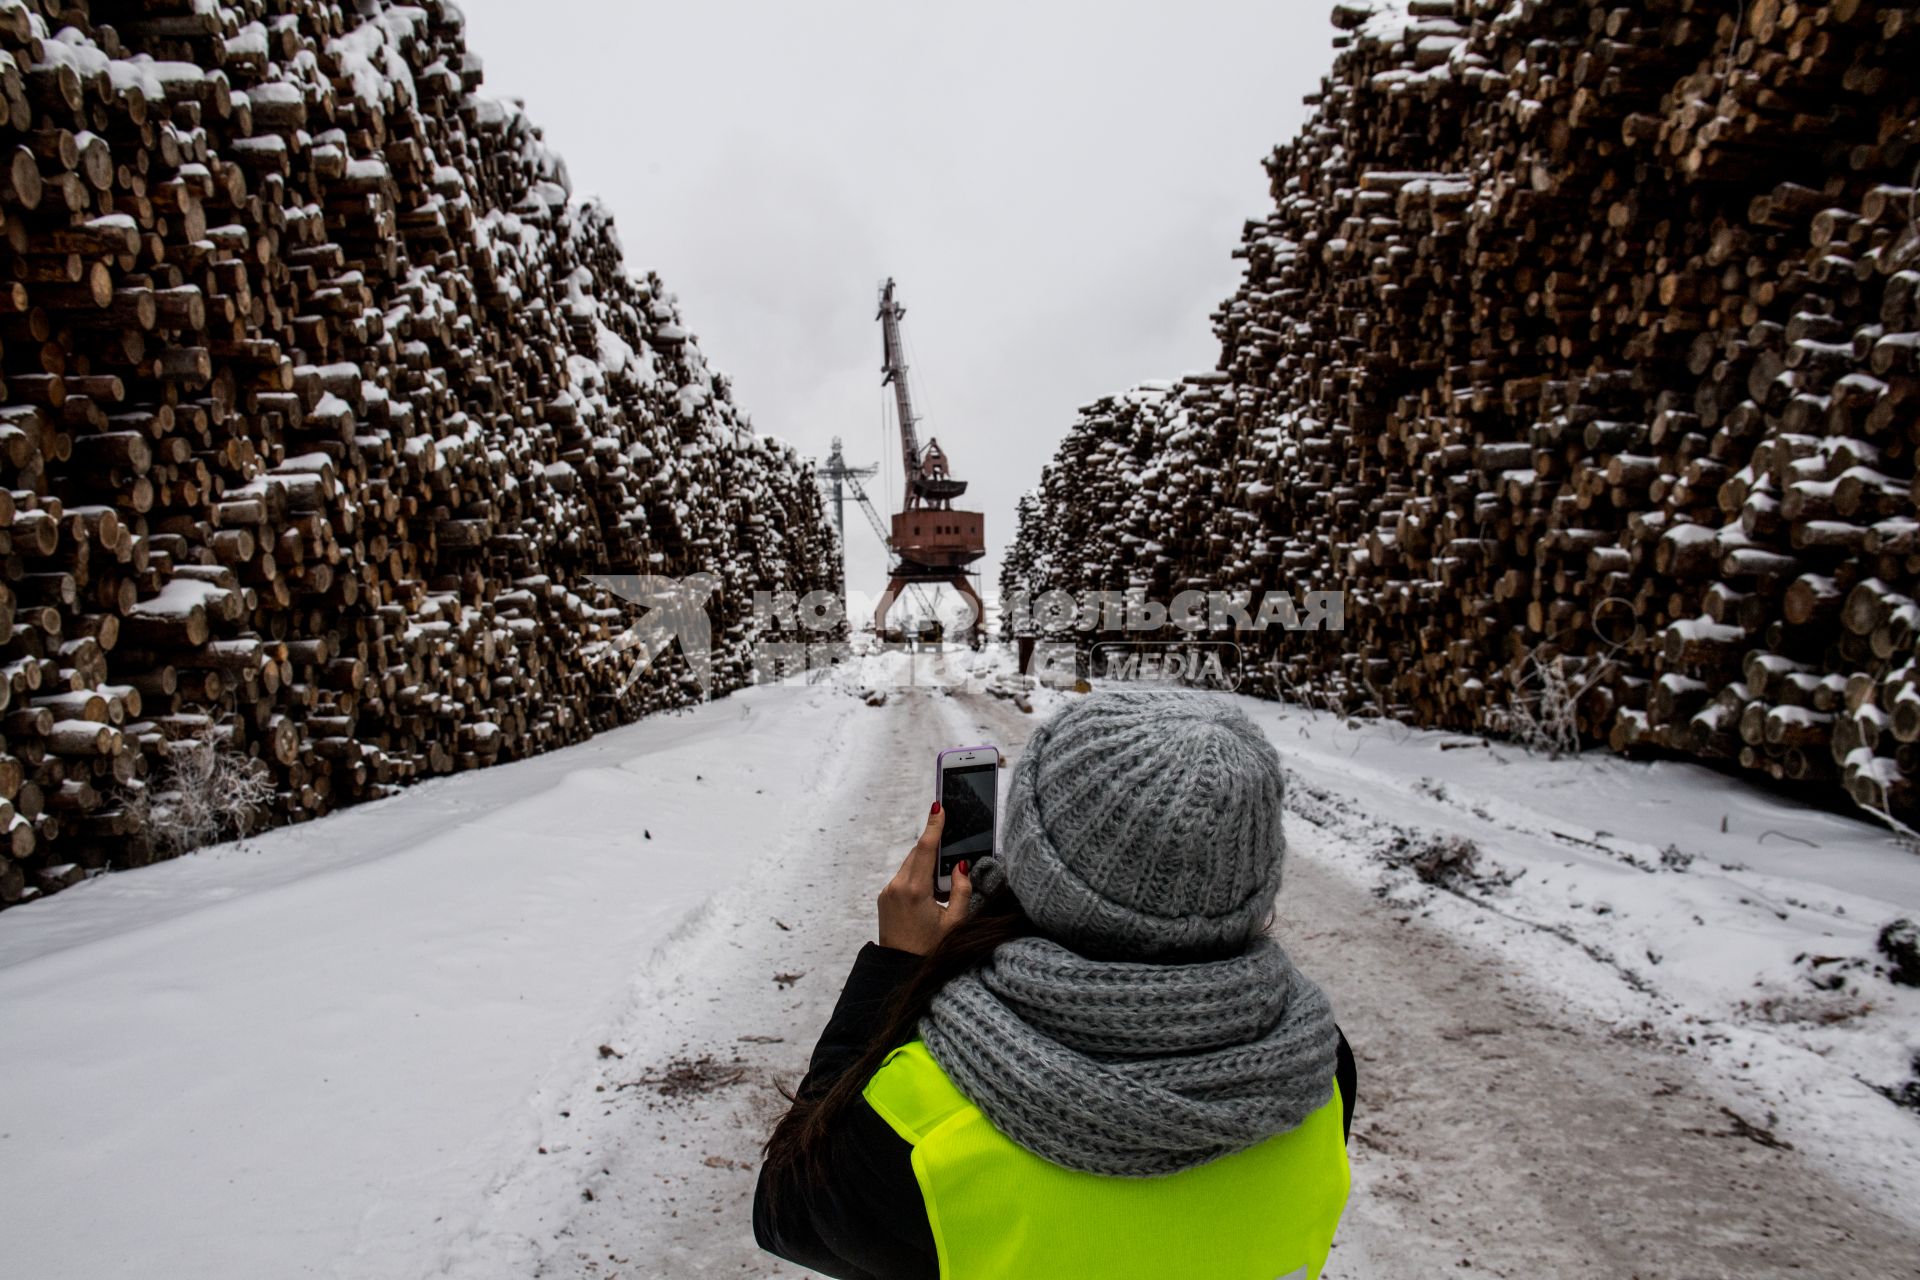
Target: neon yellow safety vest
{"points": [[999, 1212]]}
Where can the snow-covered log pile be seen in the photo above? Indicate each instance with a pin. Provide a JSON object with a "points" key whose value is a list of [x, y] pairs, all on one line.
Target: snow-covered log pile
{"points": [[1582, 350], [322, 399]]}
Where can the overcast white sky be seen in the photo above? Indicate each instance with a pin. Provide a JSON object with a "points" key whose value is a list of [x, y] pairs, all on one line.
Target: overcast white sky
{"points": [[1055, 186]]}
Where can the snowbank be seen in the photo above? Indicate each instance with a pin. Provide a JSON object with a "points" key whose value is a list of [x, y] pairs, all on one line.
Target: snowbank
{"points": [[316, 1053]]}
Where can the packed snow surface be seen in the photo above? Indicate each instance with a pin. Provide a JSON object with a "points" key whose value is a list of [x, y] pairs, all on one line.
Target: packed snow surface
{"points": [[345, 1048]]}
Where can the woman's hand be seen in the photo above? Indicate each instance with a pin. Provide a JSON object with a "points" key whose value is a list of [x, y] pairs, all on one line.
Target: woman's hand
{"points": [[911, 919]]}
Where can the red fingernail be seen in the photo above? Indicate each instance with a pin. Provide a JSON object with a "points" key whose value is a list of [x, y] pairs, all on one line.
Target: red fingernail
{"points": [[934, 810], [962, 868]]}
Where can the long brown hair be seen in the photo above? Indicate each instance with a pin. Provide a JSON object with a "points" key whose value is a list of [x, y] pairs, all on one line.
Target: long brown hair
{"points": [[797, 1142]]}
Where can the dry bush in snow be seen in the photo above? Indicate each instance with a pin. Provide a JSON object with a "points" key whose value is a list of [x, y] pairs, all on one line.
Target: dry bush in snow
{"points": [[1542, 716], [205, 790]]}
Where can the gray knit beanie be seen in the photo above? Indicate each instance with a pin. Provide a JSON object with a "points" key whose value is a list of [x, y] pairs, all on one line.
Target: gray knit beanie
{"points": [[1144, 823]]}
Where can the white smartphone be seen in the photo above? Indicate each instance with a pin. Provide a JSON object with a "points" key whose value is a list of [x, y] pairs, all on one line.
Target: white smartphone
{"points": [[967, 782]]}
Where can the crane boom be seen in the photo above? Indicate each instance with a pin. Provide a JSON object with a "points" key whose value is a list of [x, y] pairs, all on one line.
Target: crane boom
{"points": [[873, 516], [894, 370]]}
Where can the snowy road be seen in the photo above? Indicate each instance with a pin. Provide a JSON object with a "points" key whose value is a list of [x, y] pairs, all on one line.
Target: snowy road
{"points": [[1501, 1130], [490, 1029], [749, 996]]}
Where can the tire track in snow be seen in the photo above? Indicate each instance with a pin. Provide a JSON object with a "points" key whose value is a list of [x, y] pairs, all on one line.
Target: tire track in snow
{"points": [[672, 1183], [1503, 1131]]}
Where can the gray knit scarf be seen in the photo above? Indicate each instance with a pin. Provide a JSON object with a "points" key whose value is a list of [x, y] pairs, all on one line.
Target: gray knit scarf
{"points": [[1133, 1069]]}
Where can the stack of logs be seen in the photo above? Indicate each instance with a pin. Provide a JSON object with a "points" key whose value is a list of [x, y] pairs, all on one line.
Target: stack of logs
{"points": [[322, 399], [1582, 351]]}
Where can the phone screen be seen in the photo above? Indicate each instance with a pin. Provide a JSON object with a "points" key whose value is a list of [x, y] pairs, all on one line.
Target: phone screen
{"points": [[967, 795]]}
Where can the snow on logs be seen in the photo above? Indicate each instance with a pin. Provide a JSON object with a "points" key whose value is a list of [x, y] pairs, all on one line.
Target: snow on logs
{"points": [[321, 399], [1582, 350]]}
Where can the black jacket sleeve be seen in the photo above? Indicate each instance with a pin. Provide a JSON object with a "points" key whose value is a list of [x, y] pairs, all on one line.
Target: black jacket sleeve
{"points": [[867, 1220], [1347, 1077]]}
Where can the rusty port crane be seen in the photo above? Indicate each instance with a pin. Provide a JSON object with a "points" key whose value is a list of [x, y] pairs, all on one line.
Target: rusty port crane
{"points": [[933, 541]]}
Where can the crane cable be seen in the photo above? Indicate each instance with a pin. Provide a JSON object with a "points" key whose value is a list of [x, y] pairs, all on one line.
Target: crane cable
{"points": [[917, 381], [887, 434]]}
